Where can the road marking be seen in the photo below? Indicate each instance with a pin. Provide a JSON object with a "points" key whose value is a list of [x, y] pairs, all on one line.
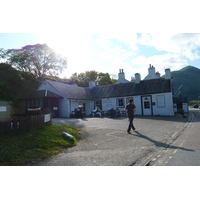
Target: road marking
{"points": [[167, 150], [176, 134], [112, 134], [175, 150]]}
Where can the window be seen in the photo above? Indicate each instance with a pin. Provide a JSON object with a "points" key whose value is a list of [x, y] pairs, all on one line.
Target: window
{"points": [[146, 104], [99, 104], [160, 101], [120, 102]]}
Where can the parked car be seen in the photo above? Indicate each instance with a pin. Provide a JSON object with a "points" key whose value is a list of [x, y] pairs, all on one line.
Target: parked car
{"points": [[195, 106]]}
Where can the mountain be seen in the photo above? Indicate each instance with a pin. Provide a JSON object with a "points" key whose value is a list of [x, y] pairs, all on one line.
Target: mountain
{"points": [[189, 78]]}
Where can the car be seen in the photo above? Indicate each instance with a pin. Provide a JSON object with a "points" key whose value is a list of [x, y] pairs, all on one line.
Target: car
{"points": [[195, 106]]}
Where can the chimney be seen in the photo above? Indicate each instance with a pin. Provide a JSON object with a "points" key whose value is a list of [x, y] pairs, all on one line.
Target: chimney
{"points": [[137, 78], [132, 79], [92, 84], [121, 77], [158, 74], [152, 70], [121, 74], [167, 73]]}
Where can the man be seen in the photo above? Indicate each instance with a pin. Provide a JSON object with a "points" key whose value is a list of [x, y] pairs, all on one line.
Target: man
{"points": [[130, 110]]}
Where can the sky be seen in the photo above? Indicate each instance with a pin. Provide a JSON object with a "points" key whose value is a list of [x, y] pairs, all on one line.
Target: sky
{"points": [[107, 35], [109, 52]]}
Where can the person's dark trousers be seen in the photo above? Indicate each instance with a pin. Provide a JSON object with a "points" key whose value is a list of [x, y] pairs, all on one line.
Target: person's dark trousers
{"points": [[130, 123]]}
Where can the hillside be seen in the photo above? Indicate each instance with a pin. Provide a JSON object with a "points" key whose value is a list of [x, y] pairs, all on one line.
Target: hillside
{"points": [[189, 78]]}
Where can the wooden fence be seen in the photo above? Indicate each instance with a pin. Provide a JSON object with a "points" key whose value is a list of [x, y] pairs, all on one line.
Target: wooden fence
{"points": [[23, 123]]}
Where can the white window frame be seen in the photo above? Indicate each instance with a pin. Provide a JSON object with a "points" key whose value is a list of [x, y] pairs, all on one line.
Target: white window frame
{"points": [[120, 106]]}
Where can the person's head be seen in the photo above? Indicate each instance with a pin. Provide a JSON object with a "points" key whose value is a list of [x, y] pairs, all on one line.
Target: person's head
{"points": [[130, 100]]}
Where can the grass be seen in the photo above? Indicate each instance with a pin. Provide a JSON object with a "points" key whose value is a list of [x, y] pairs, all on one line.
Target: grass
{"points": [[27, 148]]}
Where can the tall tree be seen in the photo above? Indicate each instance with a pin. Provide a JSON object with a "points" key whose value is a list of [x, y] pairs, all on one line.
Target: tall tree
{"points": [[37, 59]]}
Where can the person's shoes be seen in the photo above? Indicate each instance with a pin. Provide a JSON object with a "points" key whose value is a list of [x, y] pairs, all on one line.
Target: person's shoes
{"points": [[134, 129], [128, 132]]}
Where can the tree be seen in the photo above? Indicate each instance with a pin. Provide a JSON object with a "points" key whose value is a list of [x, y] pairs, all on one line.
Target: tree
{"points": [[104, 79], [37, 59], [15, 84], [83, 79], [9, 82]]}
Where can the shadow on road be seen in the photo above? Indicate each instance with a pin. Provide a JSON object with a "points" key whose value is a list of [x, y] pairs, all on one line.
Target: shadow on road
{"points": [[160, 144]]}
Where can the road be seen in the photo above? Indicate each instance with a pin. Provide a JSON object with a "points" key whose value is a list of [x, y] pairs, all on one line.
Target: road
{"points": [[187, 152], [105, 142]]}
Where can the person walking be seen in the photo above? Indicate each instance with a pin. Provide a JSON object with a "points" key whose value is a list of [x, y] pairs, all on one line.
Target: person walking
{"points": [[130, 109]]}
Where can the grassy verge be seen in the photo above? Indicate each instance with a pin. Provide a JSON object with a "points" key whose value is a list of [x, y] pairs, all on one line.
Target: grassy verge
{"points": [[27, 148]]}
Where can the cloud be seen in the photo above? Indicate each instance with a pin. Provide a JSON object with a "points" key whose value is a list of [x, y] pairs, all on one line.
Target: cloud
{"points": [[168, 60], [109, 52], [185, 44]]}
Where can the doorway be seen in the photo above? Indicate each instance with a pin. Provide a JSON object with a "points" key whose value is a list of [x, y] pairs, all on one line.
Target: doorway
{"points": [[146, 105]]}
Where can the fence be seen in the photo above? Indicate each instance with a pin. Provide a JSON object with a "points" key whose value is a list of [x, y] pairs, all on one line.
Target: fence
{"points": [[23, 123]]}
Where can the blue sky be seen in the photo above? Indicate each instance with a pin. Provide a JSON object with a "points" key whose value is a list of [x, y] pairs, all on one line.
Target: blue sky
{"points": [[109, 52]]}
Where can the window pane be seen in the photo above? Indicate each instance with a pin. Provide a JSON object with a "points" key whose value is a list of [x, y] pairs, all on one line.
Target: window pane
{"points": [[120, 102], [146, 104]]}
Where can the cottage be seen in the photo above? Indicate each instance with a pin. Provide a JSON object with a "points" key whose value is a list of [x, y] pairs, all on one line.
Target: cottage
{"points": [[152, 96]]}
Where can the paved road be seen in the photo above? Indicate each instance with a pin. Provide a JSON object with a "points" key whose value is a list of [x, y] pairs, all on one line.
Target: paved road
{"points": [[105, 142], [187, 152]]}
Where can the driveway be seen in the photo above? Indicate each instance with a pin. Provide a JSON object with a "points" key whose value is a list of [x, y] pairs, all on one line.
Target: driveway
{"points": [[105, 142]]}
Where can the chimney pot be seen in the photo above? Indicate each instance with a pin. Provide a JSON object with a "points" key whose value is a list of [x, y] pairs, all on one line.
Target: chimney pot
{"points": [[149, 65]]}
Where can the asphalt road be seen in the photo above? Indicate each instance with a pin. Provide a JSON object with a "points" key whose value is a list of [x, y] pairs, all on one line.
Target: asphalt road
{"points": [[187, 152], [105, 142]]}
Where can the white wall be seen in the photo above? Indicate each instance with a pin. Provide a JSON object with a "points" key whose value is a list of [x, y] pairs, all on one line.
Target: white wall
{"points": [[64, 110], [112, 103], [89, 107], [74, 104], [163, 104], [137, 102], [108, 103]]}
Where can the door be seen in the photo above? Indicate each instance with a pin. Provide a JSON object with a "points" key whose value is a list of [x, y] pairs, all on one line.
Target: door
{"points": [[88, 109], [146, 105]]}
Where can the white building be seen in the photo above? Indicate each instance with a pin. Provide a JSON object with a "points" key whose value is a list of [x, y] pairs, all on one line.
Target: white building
{"points": [[152, 96]]}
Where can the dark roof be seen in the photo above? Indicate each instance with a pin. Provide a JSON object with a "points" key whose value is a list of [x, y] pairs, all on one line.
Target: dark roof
{"points": [[152, 86], [71, 91], [131, 89], [41, 94]]}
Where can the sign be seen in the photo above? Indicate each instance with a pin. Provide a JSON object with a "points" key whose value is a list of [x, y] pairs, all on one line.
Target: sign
{"points": [[47, 118], [55, 108], [3, 109], [108, 104]]}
